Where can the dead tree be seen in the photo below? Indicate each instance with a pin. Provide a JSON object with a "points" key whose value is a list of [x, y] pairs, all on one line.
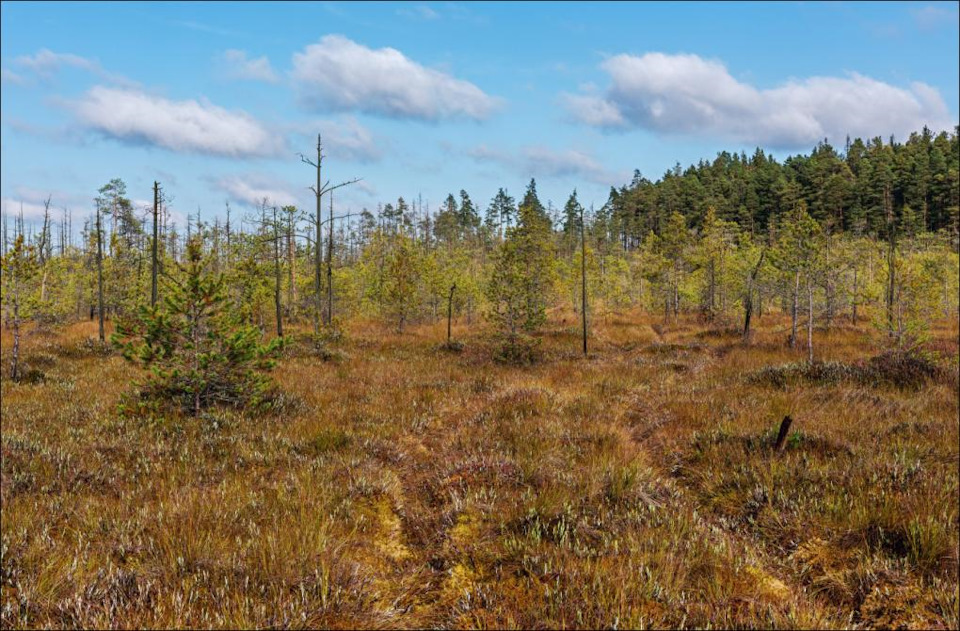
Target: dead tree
{"points": [[318, 192], [154, 254], [583, 280], [103, 338], [450, 312], [43, 247], [748, 302], [278, 273], [891, 259]]}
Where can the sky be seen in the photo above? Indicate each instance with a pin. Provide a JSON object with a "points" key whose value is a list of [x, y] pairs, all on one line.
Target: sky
{"points": [[217, 100]]}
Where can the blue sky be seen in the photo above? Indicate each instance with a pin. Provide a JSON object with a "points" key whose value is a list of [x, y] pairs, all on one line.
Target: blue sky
{"points": [[216, 100]]}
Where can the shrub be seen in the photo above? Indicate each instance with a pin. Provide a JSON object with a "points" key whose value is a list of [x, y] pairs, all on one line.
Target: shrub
{"points": [[518, 349]]}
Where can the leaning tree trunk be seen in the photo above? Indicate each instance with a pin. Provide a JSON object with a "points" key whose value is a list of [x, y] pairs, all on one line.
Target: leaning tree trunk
{"points": [[809, 319]]}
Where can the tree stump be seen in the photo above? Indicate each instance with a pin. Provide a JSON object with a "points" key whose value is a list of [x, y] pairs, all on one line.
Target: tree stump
{"points": [[784, 430]]}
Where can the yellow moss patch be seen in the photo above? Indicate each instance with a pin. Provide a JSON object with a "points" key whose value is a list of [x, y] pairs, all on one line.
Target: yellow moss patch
{"points": [[767, 586], [390, 538]]}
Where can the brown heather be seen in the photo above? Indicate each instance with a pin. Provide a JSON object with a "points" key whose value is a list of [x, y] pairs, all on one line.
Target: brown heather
{"points": [[400, 485]]}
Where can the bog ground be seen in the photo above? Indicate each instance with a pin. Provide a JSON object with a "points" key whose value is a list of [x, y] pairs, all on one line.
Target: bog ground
{"points": [[400, 485]]}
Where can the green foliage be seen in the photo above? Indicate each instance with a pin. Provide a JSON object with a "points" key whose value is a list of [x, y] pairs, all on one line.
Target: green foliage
{"points": [[522, 276], [199, 352]]}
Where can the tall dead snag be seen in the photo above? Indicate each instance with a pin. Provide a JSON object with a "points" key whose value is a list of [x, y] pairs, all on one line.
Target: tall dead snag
{"points": [[154, 251], [329, 319], [583, 279], [278, 273], [891, 258], [748, 301], [450, 312], [43, 249], [809, 319], [318, 192], [103, 338]]}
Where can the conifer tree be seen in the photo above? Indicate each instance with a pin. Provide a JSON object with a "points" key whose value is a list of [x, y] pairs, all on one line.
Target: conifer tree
{"points": [[197, 349], [522, 276]]}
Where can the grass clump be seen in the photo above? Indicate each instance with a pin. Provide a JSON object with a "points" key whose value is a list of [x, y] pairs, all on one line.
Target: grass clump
{"points": [[906, 369]]}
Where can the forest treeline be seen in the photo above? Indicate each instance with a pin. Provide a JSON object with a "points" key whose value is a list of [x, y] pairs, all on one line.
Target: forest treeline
{"points": [[869, 233]]}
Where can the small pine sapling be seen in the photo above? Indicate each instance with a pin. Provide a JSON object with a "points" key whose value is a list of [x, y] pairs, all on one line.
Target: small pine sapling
{"points": [[196, 345]]}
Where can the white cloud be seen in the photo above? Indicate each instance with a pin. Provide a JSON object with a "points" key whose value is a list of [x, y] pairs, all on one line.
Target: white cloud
{"points": [[9, 76], [250, 189], [32, 210], [47, 63], [339, 74], [594, 110], [344, 138], [420, 11], [183, 126], [691, 95], [540, 161], [236, 65], [930, 17]]}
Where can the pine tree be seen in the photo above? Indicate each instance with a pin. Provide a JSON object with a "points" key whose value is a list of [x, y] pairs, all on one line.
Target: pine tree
{"points": [[199, 352], [521, 280]]}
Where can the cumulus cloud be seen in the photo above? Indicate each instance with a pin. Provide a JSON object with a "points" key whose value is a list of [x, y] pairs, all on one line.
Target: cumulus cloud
{"points": [[340, 74], [46, 63], [540, 161], [688, 94], [250, 189], [183, 126], [236, 65]]}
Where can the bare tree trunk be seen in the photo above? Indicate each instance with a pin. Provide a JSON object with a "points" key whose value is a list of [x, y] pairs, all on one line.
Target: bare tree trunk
{"points": [[292, 263], [855, 295], [278, 274], [891, 260], [15, 360], [329, 320], [748, 302], [583, 279], [450, 312], [154, 254], [42, 250], [318, 251], [793, 311], [809, 319], [103, 338]]}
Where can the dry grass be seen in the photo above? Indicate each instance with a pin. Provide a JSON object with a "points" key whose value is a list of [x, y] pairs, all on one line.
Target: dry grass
{"points": [[402, 485]]}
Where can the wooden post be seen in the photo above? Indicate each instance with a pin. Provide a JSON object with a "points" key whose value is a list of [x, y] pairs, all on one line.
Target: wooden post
{"points": [[784, 430]]}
